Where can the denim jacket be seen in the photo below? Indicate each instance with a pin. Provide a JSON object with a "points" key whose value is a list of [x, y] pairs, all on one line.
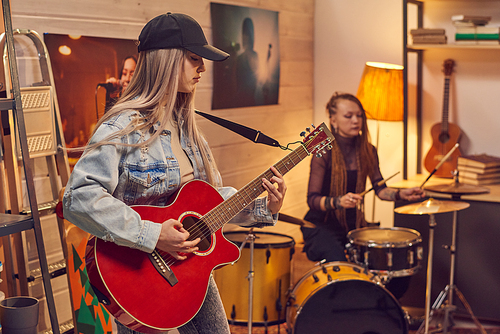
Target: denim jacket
{"points": [[107, 180]]}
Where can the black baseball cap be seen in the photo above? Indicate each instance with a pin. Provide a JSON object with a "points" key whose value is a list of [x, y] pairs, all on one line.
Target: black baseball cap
{"points": [[174, 30]]}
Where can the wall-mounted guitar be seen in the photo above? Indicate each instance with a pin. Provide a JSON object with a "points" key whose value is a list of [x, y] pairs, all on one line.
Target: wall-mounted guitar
{"points": [[444, 135]]}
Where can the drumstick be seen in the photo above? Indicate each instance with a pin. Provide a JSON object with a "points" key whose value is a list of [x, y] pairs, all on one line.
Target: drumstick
{"points": [[379, 183], [439, 164]]}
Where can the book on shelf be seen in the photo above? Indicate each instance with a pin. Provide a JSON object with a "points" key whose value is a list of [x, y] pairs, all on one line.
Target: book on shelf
{"points": [[429, 39], [477, 30], [478, 182], [477, 42], [477, 170], [474, 19], [427, 31], [479, 160], [479, 176], [479, 37]]}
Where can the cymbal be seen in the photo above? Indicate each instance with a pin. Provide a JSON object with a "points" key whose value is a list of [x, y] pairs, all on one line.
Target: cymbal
{"points": [[458, 188], [296, 221], [431, 206]]}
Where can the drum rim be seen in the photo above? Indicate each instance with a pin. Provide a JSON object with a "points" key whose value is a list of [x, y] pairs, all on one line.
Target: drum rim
{"points": [[385, 244], [331, 264], [284, 244]]}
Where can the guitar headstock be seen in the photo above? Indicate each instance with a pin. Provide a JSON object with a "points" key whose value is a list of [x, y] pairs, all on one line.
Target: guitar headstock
{"points": [[319, 140], [448, 66]]}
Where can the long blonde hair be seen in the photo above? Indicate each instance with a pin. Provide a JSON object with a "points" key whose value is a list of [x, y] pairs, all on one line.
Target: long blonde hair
{"points": [[153, 93]]}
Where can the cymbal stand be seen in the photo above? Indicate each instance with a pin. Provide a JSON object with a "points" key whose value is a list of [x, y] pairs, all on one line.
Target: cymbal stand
{"points": [[432, 224], [251, 237], [451, 287]]}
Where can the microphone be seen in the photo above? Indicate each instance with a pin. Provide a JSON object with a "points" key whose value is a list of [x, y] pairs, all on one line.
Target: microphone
{"points": [[110, 85]]}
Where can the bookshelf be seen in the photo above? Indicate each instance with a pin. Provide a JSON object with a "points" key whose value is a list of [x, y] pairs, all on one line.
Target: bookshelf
{"points": [[414, 13]]}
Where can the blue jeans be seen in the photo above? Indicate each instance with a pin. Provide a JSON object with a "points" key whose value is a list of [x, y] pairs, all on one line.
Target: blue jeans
{"points": [[210, 319]]}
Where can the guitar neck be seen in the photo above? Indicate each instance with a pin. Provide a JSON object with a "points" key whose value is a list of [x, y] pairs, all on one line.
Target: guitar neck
{"points": [[224, 212], [446, 97]]}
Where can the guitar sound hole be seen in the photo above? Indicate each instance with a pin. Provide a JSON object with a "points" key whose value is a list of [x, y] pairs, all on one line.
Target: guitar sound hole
{"points": [[198, 229], [444, 137]]}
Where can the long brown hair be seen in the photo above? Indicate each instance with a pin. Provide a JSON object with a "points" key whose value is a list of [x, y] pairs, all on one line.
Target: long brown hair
{"points": [[365, 159], [152, 92]]}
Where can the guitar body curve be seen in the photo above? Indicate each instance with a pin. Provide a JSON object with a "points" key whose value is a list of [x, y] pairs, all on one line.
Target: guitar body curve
{"points": [[137, 295], [442, 143]]}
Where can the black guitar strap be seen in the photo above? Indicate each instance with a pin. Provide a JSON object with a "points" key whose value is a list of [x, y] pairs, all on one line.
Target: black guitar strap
{"points": [[251, 134]]}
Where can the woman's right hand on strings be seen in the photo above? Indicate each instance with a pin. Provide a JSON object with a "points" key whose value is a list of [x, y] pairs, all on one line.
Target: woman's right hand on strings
{"points": [[173, 240]]}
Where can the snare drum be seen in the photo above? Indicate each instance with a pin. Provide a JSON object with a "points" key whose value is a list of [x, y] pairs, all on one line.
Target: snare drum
{"points": [[339, 297], [271, 282], [386, 251]]}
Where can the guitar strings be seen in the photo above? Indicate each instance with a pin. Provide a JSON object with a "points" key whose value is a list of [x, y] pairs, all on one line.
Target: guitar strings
{"points": [[202, 228]]}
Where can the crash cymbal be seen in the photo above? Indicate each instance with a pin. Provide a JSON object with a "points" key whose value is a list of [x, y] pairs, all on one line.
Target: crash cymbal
{"points": [[457, 188], [431, 206], [296, 221]]}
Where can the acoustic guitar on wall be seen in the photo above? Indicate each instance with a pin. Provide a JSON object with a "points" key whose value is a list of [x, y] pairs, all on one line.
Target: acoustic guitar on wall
{"points": [[444, 135]]}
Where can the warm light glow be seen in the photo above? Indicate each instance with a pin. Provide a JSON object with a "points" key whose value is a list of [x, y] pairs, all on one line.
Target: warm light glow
{"points": [[381, 91], [64, 50], [74, 36]]}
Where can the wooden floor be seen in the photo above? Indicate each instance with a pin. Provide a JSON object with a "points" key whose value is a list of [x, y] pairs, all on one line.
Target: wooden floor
{"points": [[462, 325], [282, 329]]}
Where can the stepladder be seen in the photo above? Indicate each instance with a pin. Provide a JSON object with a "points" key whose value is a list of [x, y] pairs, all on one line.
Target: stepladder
{"points": [[75, 303]]}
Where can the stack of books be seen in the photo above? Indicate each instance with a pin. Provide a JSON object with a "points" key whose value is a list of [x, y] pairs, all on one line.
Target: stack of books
{"points": [[428, 36], [478, 169], [472, 30]]}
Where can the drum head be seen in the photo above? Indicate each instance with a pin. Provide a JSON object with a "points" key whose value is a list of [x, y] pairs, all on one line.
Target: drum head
{"points": [[383, 237], [351, 307]]}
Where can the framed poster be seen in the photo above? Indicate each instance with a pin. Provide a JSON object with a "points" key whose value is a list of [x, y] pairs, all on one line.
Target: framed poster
{"points": [[84, 69], [251, 75]]}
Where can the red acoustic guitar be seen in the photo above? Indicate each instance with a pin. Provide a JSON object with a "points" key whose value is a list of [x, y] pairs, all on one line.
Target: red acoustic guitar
{"points": [[152, 293], [444, 135]]}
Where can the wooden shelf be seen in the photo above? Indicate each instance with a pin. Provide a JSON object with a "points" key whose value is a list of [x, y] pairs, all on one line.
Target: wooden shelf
{"points": [[451, 46]]}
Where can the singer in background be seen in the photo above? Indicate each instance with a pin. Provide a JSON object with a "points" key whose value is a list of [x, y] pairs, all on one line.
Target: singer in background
{"points": [[337, 179], [116, 87]]}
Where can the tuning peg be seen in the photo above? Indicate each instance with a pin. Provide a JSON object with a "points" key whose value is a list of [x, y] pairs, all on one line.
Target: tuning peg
{"points": [[303, 134], [329, 147], [308, 130], [319, 155], [313, 126]]}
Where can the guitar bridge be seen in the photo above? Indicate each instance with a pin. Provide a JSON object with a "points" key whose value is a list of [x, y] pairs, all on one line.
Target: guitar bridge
{"points": [[163, 268]]}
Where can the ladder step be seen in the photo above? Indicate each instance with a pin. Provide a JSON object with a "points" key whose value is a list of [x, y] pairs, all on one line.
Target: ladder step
{"points": [[7, 104], [10, 223], [51, 205]]}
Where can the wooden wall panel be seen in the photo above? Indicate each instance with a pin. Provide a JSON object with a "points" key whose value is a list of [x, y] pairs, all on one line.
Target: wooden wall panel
{"points": [[239, 159]]}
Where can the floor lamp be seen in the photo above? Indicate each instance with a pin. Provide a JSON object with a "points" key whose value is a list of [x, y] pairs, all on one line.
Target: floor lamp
{"points": [[381, 93]]}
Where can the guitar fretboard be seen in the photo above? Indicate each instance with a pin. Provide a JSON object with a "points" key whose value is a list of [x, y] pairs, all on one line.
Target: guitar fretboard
{"points": [[224, 212]]}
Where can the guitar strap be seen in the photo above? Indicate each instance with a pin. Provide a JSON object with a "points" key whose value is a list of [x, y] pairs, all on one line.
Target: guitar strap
{"points": [[251, 134]]}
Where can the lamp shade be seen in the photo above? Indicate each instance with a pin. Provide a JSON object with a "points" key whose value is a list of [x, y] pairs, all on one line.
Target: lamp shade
{"points": [[381, 91]]}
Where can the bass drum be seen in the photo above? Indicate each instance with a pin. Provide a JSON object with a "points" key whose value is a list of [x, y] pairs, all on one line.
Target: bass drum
{"points": [[272, 263], [340, 298]]}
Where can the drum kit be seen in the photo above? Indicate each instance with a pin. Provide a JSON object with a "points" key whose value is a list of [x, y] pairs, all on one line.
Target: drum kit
{"points": [[342, 297]]}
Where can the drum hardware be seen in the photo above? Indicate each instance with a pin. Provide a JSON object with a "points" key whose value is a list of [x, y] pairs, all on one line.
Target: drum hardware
{"points": [[269, 274], [456, 190], [250, 236], [432, 207], [296, 221]]}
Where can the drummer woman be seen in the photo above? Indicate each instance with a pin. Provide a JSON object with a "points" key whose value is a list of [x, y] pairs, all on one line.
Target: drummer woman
{"points": [[337, 179]]}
